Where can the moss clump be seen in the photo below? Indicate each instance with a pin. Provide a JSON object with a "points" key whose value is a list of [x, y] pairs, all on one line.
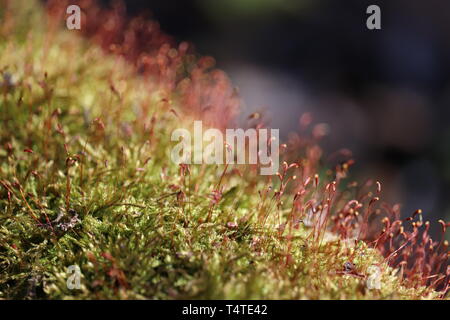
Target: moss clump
{"points": [[86, 180]]}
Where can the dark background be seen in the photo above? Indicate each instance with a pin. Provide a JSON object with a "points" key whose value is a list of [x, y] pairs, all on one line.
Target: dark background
{"points": [[385, 94]]}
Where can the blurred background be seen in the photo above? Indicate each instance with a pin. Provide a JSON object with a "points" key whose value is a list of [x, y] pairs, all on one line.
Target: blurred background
{"points": [[385, 94]]}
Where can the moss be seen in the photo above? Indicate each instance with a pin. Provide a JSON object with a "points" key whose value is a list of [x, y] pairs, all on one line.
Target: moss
{"points": [[86, 180]]}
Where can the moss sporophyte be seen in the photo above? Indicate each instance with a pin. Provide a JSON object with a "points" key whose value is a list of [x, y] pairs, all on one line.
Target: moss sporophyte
{"points": [[93, 207]]}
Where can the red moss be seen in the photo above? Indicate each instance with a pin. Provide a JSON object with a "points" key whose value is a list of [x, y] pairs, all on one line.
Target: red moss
{"points": [[204, 92]]}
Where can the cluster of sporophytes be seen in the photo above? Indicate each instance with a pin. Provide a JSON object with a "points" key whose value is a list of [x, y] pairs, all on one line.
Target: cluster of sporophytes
{"points": [[86, 180]]}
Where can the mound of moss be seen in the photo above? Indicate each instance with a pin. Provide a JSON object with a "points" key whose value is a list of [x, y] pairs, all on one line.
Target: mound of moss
{"points": [[86, 180]]}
